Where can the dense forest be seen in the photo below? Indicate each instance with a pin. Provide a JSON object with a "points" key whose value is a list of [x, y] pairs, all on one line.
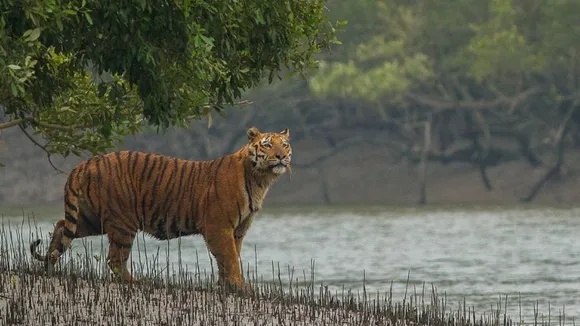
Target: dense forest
{"points": [[413, 86]]}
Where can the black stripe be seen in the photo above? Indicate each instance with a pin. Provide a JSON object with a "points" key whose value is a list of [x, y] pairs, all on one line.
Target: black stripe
{"points": [[89, 222], [132, 164], [239, 212], [170, 189], [190, 190], [69, 217], [122, 185], [155, 160], [145, 165], [120, 230], [114, 197], [68, 233], [134, 190], [189, 214], [143, 196], [207, 194], [68, 204], [109, 185], [87, 194], [160, 230], [197, 213], [122, 245], [120, 221], [130, 188], [182, 189], [69, 184], [99, 187], [248, 191], [158, 178], [173, 228], [207, 202], [215, 178], [156, 186]]}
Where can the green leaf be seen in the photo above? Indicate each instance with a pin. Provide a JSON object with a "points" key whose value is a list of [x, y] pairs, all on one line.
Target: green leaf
{"points": [[33, 35], [13, 89], [88, 17], [14, 67]]}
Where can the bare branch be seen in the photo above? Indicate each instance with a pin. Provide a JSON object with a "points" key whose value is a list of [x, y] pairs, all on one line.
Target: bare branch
{"points": [[557, 167], [11, 123], [331, 152], [42, 147], [423, 163], [442, 104]]}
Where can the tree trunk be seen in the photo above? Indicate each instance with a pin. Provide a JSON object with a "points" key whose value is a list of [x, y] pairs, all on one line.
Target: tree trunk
{"points": [[423, 164], [556, 168]]}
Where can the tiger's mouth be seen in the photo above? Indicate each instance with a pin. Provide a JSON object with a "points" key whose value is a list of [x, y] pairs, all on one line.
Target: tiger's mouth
{"points": [[279, 167], [277, 163]]}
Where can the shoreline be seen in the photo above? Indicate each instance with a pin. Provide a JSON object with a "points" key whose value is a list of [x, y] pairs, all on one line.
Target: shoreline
{"points": [[41, 211], [27, 299], [342, 178], [31, 299], [74, 297]]}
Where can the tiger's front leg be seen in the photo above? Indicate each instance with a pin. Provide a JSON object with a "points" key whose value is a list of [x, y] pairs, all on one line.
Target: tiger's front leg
{"points": [[222, 245], [120, 244], [240, 233]]}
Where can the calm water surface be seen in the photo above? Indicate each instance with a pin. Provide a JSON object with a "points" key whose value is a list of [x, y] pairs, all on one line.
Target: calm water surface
{"points": [[530, 255]]}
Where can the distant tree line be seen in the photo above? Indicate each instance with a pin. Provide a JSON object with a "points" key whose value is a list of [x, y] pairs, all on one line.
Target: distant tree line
{"points": [[455, 80]]}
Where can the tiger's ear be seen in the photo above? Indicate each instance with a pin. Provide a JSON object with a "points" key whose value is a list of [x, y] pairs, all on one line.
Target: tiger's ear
{"points": [[285, 133], [252, 133]]}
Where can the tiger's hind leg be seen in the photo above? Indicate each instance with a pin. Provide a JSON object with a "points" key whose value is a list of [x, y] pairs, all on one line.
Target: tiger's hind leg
{"points": [[120, 243], [56, 238], [64, 231], [55, 242]]}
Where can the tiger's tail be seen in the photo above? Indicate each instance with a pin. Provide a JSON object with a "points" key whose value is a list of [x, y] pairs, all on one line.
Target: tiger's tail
{"points": [[65, 229], [35, 253], [71, 217], [56, 238]]}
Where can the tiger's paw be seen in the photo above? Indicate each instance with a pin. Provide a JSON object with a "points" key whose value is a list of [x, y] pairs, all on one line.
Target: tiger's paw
{"points": [[243, 289]]}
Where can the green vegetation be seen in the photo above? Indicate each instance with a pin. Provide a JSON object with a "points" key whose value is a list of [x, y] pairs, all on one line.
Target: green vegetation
{"points": [[84, 74], [455, 79], [482, 83]]}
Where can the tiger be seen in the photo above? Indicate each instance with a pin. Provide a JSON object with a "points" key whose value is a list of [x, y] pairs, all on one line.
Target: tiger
{"points": [[123, 192]]}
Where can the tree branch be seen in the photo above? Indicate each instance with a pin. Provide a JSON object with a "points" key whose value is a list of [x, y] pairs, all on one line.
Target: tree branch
{"points": [[11, 123], [331, 152], [556, 168], [442, 104], [423, 163], [21, 121], [42, 147]]}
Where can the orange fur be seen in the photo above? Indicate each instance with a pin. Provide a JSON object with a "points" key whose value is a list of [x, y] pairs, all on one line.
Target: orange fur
{"points": [[119, 193]]}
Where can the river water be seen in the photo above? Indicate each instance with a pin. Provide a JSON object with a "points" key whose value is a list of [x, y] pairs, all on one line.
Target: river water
{"points": [[532, 256]]}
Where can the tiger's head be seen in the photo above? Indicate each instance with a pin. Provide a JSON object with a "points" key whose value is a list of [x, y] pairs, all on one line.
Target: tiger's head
{"points": [[269, 152]]}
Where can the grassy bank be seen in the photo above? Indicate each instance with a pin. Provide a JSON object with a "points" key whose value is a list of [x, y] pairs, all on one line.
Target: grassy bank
{"points": [[81, 292]]}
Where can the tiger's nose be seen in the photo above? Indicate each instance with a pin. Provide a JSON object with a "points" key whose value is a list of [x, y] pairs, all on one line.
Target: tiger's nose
{"points": [[279, 156]]}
